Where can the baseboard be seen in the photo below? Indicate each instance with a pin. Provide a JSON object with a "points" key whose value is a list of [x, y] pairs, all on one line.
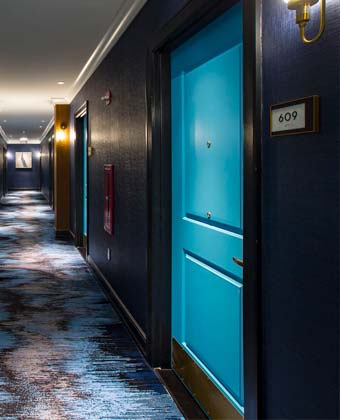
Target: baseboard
{"points": [[46, 198], [62, 234], [135, 329], [182, 397]]}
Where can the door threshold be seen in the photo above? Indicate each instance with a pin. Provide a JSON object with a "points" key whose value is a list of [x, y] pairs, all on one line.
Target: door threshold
{"points": [[182, 397]]}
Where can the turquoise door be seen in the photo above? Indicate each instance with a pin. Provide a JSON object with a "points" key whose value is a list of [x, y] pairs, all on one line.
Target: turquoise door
{"points": [[207, 197], [85, 177]]}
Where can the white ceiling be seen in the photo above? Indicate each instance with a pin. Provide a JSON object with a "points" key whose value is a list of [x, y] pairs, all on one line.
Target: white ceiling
{"points": [[46, 41]]}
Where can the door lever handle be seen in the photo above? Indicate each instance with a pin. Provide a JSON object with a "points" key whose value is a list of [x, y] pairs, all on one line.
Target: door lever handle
{"points": [[238, 261]]}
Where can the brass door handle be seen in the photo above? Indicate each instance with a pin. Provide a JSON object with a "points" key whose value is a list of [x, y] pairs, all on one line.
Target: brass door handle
{"points": [[238, 261]]}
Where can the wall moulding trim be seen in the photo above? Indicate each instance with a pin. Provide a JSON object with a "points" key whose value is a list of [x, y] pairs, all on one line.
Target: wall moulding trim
{"points": [[23, 142], [4, 135], [47, 129], [126, 14]]}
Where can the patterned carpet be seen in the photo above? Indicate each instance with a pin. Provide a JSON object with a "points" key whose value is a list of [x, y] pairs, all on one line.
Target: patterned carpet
{"points": [[64, 353]]}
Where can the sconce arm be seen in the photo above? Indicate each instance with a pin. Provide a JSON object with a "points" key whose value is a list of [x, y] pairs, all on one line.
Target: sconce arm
{"points": [[321, 29]]}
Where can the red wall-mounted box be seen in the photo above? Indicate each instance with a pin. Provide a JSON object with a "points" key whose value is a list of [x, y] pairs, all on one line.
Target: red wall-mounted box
{"points": [[108, 198]]}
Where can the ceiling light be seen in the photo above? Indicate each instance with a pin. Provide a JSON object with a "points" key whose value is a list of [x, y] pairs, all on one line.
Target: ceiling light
{"points": [[43, 121], [23, 139], [61, 82], [5, 121], [40, 126]]}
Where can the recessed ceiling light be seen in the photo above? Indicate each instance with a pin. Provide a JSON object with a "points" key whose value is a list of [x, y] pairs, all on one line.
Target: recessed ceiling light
{"points": [[42, 121], [5, 120], [61, 82]]}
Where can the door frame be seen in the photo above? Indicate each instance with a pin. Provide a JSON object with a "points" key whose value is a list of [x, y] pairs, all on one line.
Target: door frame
{"points": [[193, 17], [81, 112]]}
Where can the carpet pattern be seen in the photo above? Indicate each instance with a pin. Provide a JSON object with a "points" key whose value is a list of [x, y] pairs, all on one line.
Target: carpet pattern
{"points": [[64, 353]]}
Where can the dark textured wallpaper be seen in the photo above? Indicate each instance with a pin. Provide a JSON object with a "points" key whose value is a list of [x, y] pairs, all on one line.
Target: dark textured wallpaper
{"points": [[301, 223], [47, 167], [117, 133], [3, 182]]}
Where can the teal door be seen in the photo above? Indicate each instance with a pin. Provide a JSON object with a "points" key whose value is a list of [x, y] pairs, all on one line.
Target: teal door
{"points": [[207, 197], [85, 179]]}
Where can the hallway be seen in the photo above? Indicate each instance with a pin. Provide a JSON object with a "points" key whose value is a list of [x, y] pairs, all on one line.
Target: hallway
{"points": [[64, 353], [170, 210]]}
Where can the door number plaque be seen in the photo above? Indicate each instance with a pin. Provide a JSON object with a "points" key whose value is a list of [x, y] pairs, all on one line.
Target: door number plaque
{"points": [[295, 117]]}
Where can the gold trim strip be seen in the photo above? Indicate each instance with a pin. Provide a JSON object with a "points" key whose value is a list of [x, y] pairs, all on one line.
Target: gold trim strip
{"points": [[215, 404]]}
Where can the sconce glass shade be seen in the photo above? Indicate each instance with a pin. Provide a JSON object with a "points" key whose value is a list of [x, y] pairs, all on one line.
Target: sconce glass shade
{"points": [[60, 136]]}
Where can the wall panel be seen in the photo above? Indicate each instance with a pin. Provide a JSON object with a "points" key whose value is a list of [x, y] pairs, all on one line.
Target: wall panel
{"points": [[47, 167], [301, 223], [3, 182], [117, 133]]}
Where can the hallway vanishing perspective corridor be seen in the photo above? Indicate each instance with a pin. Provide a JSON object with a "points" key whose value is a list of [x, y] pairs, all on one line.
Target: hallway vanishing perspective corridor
{"points": [[64, 353]]}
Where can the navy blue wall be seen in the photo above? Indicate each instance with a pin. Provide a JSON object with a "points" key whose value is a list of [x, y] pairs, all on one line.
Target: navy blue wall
{"points": [[23, 178], [47, 167], [301, 223], [117, 134], [3, 186], [300, 293]]}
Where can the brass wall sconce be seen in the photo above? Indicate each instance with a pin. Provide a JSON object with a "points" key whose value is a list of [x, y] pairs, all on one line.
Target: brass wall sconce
{"points": [[61, 135], [302, 8]]}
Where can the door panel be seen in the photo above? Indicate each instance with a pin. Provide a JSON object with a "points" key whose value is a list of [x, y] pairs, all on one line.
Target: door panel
{"points": [[213, 163], [216, 316], [207, 197]]}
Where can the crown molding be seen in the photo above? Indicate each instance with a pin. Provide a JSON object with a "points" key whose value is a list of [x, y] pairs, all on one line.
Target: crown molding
{"points": [[23, 142], [127, 12], [4, 135], [8, 140], [47, 129]]}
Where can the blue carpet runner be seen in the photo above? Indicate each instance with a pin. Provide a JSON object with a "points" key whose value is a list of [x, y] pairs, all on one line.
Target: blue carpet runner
{"points": [[64, 353]]}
